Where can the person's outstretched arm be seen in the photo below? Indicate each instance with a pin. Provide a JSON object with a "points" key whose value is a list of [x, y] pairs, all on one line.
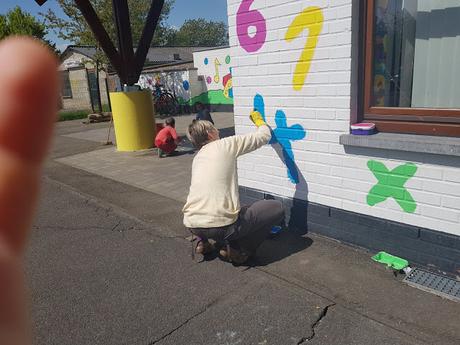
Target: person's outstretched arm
{"points": [[241, 144], [28, 105]]}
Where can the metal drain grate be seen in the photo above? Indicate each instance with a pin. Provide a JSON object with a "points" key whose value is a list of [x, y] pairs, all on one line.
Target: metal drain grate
{"points": [[434, 283]]}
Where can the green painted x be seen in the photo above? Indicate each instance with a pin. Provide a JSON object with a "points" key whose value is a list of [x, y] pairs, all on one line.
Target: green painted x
{"points": [[391, 184]]}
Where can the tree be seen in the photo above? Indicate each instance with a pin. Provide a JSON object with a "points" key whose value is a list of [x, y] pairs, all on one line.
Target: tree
{"points": [[75, 29], [200, 32], [18, 22]]}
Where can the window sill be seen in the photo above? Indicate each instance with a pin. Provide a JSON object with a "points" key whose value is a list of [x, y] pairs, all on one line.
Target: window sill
{"points": [[405, 142]]}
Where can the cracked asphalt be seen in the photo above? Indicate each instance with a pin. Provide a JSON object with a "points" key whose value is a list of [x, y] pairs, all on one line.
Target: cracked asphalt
{"points": [[98, 276], [110, 264]]}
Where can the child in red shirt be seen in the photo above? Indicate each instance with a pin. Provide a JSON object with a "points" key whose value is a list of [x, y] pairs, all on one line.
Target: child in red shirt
{"points": [[167, 139]]}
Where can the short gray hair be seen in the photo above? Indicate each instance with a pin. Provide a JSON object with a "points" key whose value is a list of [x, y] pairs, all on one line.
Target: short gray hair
{"points": [[198, 132]]}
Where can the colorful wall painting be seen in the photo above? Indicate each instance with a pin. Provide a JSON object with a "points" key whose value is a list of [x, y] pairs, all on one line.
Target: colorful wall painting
{"points": [[215, 68], [283, 135], [209, 83], [312, 19], [391, 185], [186, 85], [177, 82], [228, 85], [246, 21], [268, 58]]}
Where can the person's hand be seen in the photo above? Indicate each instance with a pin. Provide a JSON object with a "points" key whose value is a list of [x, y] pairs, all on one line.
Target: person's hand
{"points": [[28, 104], [257, 118]]}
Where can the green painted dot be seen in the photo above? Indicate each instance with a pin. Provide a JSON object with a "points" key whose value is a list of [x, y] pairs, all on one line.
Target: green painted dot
{"points": [[227, 59]]}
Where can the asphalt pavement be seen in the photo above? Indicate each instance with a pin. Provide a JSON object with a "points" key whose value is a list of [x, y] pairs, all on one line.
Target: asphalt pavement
{"points": [[109, 263]]}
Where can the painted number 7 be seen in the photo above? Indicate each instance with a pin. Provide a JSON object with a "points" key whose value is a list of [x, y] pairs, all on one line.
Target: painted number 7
{"points": [[312, 19]]}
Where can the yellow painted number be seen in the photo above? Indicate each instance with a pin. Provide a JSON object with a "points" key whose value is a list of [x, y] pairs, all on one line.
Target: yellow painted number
{"points": [[312, 19]]}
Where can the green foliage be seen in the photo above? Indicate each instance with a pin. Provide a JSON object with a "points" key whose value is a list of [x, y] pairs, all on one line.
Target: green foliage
{"points": [[73, 115], [69, 115], [75, 29], [18, 22], [200, 32]]}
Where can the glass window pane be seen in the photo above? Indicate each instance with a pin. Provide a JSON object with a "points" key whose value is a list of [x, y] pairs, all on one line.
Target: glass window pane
{"points": [[416, 58], [66, 86]]}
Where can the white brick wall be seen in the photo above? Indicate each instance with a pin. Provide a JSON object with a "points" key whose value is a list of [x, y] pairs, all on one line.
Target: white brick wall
{"points": [[334, 177]]}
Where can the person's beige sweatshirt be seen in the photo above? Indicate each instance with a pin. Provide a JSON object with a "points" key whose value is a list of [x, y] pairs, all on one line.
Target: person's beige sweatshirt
{"points": [[213, 200]]}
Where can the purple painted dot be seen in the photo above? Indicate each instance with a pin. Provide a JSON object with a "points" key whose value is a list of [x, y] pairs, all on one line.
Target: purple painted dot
{"points": [[209, 80]]}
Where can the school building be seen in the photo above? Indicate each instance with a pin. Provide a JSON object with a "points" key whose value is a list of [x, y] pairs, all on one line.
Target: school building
{"points": [[313, 68], [205, 78], [192, 74]]}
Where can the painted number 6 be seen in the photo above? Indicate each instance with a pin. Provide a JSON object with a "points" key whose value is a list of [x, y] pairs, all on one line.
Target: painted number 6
{"points": [[312, 19], [245, 19]]}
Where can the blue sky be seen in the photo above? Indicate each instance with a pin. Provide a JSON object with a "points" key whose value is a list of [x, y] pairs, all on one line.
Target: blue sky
{"points": [[183, 9]]}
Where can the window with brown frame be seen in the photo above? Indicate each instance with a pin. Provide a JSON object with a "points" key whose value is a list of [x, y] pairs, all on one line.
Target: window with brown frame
{"points": [[412, 66]]}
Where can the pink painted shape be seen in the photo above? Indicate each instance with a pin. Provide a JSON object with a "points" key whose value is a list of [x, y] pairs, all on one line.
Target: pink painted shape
{"points": [[246, 18], [209, 80]]}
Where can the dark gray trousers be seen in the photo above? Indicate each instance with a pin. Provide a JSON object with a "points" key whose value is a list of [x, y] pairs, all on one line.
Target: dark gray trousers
{"points": [[250, 230]]}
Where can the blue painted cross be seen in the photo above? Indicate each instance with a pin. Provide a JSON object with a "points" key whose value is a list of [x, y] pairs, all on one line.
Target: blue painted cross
{"points": [[283, 135]]}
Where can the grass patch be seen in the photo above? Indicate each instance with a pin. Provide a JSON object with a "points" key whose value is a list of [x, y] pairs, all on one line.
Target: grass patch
{"points": [[69, 115], [73, 115]]}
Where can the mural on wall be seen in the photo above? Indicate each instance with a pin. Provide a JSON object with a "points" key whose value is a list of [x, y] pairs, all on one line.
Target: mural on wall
{"points": [[312, 19], [305, 79], [251, 29], [391, 185], [214, 66], [175, 82], [283, 135], [246, 20]]}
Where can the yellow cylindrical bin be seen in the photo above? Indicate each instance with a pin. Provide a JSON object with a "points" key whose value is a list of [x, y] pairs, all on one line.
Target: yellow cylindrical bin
{"points": [[133, 119]]}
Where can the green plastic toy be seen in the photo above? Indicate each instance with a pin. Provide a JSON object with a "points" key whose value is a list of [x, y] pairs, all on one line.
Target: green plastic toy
{"points": [[391, 260]]}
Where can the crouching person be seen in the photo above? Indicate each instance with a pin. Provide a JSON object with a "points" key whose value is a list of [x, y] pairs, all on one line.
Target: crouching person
{"points": [[167, 139], [212, 210]]}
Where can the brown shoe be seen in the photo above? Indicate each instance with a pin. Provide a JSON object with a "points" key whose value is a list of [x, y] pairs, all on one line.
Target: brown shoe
{"points": [[234, 256], [204, 248]]}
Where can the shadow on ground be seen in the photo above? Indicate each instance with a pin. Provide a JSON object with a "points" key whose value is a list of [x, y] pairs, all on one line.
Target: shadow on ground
{"points": [[272, 250], [286, 244]]}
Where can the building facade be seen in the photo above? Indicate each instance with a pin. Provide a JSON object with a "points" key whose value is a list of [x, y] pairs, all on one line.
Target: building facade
{"points": [[80, 88], [79, 83], [204, 79], [314, 67]]}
